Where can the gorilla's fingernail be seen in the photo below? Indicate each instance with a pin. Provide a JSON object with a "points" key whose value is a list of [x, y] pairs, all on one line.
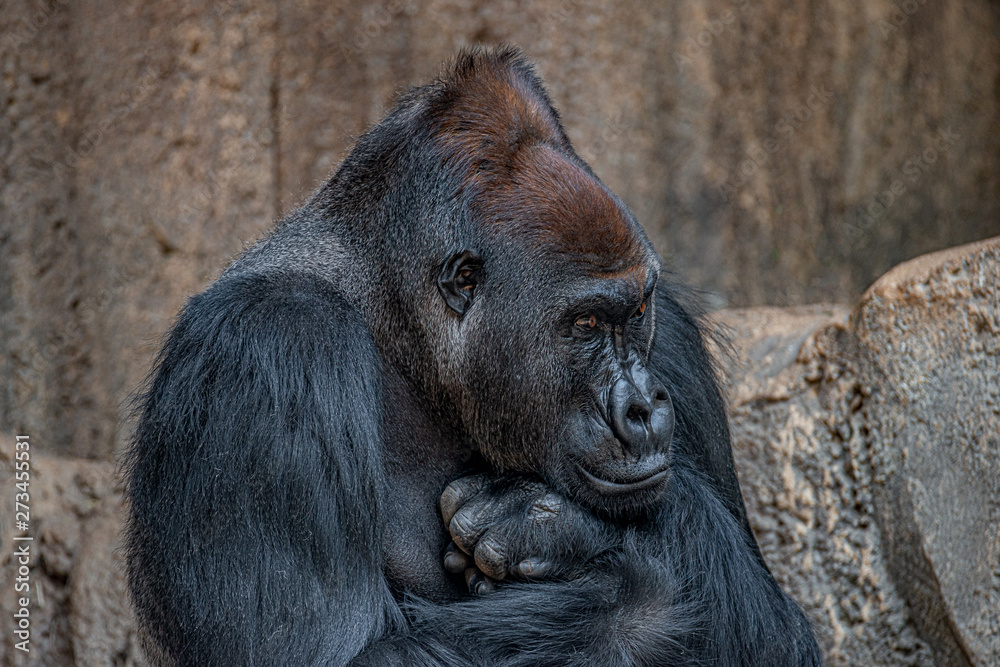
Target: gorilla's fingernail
{"points": [[484, 587], [526, 567], [453, 562]]}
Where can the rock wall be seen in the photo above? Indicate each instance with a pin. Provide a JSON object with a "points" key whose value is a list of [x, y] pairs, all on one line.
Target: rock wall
{"points": [[928, 338], [868, 444], [778, 153], [866, 441]]}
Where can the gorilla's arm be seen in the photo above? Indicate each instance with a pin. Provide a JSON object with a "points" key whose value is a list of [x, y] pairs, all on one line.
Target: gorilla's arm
{"points": [[684, 590], [254, 481]]}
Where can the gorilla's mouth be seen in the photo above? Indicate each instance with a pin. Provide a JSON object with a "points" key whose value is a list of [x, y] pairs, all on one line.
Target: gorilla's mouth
{"points": [[637, 478]]}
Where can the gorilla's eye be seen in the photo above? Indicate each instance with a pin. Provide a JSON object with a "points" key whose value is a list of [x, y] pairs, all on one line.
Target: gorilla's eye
{"points": [[640, 311], [588, 322]]}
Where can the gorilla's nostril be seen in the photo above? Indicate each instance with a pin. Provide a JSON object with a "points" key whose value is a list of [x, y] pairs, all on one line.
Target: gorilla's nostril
{"points": [[637, 414]]}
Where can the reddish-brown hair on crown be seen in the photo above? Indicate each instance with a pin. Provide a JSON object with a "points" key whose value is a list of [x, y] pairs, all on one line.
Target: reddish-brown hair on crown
{"points": [[491, 103], [493, 122]]}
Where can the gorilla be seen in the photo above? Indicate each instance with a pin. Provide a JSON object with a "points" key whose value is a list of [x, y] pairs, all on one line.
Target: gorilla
{"points": [[451, 411]]}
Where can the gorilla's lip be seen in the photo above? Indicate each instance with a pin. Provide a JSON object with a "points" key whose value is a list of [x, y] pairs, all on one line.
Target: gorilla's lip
{"points": [[610, 487]]}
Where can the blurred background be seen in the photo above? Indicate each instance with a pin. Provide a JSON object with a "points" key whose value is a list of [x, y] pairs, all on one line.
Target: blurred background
{"points": [[778, 153]]}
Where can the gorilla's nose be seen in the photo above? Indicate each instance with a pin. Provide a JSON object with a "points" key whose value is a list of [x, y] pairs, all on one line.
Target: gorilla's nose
{"points": [[642, 416]]}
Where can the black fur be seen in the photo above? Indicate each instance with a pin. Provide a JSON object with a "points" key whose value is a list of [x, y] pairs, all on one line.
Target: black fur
{"points": [[308, 409]]}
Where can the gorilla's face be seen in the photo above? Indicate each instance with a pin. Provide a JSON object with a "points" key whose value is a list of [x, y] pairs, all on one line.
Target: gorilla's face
{"points": [[611, 449], [554, 379]]}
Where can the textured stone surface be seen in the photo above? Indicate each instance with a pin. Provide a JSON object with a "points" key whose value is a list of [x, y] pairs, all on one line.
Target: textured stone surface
{"points": [[140, 159], [778, 153], [43, 355], [929, 339], [869, 451], [799, 442]]}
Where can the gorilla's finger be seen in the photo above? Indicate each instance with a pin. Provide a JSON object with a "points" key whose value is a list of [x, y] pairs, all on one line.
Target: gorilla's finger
{"points": [[479, 583], [467, 526], [458, 493], [534, 568], [455, 561], [491, 555], [472, 520]]}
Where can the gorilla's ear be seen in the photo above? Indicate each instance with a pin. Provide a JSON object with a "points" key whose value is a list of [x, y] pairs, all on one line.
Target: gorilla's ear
{"points": [[457, 282]]}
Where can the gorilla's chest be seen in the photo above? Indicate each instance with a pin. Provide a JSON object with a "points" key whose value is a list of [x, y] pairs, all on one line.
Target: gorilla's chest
{"points": [[415, 539]]}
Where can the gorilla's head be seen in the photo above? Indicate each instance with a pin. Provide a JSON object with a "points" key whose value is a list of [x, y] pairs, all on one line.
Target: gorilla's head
{"points": [[545, 293]]}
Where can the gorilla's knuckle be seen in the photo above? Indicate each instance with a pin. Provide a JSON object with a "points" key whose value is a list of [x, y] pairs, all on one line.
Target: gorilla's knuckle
{"points": [[459, 526], [450, 503], [459, 493], [546, 508], [464, 529], [458, 489], [470, 485]]}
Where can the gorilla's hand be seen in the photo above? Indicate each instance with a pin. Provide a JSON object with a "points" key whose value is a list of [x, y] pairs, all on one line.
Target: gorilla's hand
{"points": [[511, 527]]}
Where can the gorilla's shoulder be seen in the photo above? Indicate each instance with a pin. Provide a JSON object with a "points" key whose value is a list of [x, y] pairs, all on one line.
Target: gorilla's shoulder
{"points": [[270, 295], [274, 309]]}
